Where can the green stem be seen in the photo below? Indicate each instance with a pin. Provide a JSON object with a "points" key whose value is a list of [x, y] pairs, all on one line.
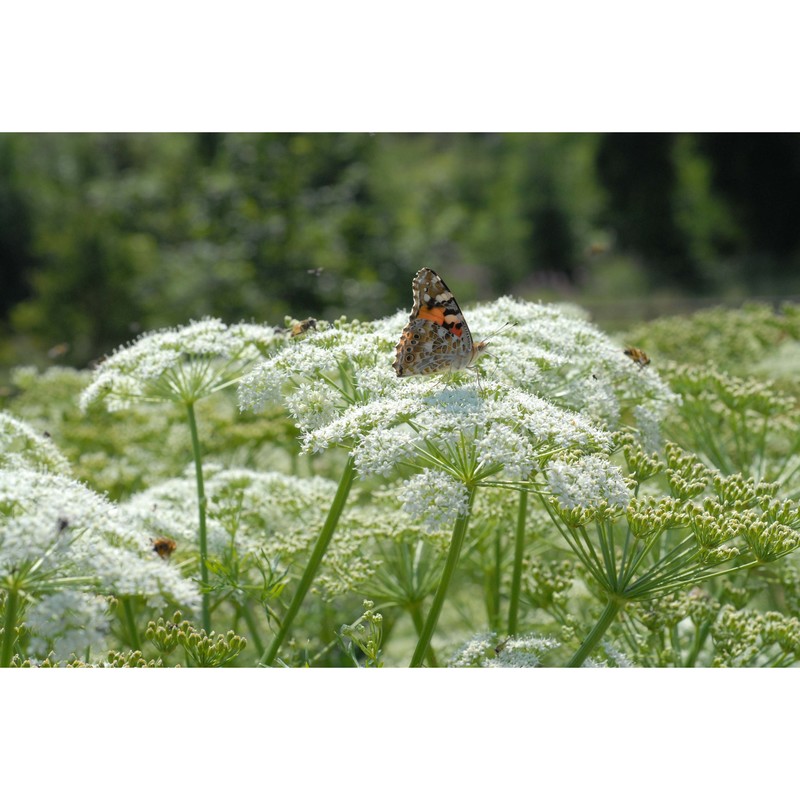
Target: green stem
{"points": [[247, 615], [201, 508], [130, 622], [416, 615], [613, 607], [516, 577], [700, 636], [494, 587], [314, 561], [459, 534], [10, 628]]}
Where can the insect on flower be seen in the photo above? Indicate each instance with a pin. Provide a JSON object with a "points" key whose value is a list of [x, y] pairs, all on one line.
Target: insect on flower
{"points": [[164, 547], [302, 327], [637, 356], [298, 328], [436, 338]]}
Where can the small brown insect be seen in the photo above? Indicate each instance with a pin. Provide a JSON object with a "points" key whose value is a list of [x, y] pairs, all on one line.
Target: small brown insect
{"points": [[302, 327], [597, 249], [637, 356], [298, 328], [164, 547], [58, 350]]}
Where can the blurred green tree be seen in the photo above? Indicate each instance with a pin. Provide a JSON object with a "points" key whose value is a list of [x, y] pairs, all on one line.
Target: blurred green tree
{"points": [[639, 175], [758, 175], [16, 229], [104, 235]]}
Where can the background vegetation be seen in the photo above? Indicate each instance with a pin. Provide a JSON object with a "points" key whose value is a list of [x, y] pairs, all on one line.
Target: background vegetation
{"points": [[105, 235]]}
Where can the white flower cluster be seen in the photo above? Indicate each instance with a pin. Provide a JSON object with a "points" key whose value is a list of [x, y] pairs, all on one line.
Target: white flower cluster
{"points": [[319, 358], [269, 515], [279, 514], [434, 497], [78, 547], [587, 482], [557, 384], [69, 622], [483, 650], [182, 363], [22, 447], [567, 360]]}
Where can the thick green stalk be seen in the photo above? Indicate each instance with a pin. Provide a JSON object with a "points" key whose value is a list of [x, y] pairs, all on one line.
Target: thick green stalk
{"points": [[419, 624], [493, 599], [314, 561], [613, 607], [247, 615], [130, 622], [459, 534], [10, 626], [516, 576], [201, 508]]}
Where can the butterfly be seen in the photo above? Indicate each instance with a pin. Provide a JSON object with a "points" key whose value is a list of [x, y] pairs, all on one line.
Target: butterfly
{"points": [[436, 338], [638, 356]]}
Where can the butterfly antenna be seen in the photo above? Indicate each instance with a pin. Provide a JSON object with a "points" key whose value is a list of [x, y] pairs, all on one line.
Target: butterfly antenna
{"points": [[499, 330]]}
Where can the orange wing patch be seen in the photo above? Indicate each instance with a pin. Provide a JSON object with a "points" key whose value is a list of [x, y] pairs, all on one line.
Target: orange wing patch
{"points": [[436, 338]]}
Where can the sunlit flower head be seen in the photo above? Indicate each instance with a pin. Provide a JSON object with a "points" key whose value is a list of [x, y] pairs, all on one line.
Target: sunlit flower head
{"points": [[269, 516], [486, 650], [555, 385], [22, 447], [74, 547], [253, 510], [434, 498], [587, 482], [178, 365], [567, 360]]}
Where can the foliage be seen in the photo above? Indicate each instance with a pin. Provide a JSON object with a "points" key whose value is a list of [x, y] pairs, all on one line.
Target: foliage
{"points": [[531, 515], [103, 236]]}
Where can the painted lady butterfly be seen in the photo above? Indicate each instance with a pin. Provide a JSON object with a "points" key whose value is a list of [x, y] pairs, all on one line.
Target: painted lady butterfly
{"points": [[436, 338]]}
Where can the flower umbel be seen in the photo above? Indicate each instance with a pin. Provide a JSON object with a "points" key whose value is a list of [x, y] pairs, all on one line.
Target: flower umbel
{"points": [[63, 550], [178, 365], [22, 448], [454, 436], [181, 366]]}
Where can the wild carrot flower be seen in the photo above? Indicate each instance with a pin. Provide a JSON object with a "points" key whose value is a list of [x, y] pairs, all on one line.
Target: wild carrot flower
{"points": [[261, 516], [586, 482], [568, 361], [487, 650], [63, 549], [253, 510], [22, 447], [338, 383], [181, 366], [341, 391], [458, 434], [178, 365]]}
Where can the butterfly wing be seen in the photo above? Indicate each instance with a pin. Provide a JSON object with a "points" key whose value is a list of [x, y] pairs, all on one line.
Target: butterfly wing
{"points": [[436, 338]]}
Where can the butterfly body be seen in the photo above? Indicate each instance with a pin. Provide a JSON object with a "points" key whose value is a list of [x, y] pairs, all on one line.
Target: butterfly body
{"points": [[436, 338]]}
